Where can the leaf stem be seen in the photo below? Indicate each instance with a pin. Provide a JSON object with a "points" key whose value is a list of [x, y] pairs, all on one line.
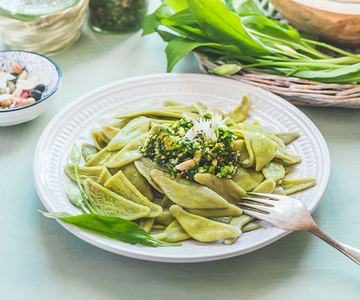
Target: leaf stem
{"points": [[164, 243], [321, 44], [297, 46], [82, 209], [295, 64], [81, 191], [293, 71]]}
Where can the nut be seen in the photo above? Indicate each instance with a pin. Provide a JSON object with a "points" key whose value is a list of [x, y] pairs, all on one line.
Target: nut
{"points": [[23, 75], [16, 68], [13, 99], [17, 92], [11, 86], [5, 103], [30, 100], [25, 84], [185, 165]]}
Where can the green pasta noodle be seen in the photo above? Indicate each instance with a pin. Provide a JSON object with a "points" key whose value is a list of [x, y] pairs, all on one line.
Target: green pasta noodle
{"points": [[182, 169]]}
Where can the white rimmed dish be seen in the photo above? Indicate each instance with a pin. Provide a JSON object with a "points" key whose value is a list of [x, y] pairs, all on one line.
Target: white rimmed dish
{"points": [[32, 62], [74, 123]]}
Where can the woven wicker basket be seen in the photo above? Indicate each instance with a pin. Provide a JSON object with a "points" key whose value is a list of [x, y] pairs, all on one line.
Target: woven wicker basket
{"points": [[295, 90]]}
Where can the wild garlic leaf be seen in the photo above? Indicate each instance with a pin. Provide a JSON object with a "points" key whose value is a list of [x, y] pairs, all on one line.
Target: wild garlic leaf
{"points": [[177, 5], [152, 21], [334, 74], [56, 215], [75, 155], [194, 33], [166, 36], [183, 17], [237, 31], [112, 227], [246, 7], [267, 28], [179, 47], [224, 26]]}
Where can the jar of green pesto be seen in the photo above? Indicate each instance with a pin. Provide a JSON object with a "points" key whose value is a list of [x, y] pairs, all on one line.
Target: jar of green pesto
{"points": [[117, 16]]}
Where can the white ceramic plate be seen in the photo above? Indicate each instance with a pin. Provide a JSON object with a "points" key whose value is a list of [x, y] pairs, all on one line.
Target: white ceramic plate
{"points": [[74, 123]]}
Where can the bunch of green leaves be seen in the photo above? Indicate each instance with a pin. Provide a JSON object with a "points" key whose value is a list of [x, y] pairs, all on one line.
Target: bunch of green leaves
{"points": [[239, 33], [112, 227]]}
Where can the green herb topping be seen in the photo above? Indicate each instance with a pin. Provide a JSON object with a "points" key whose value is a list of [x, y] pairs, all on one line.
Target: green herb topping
{"points": [[189, 147]]}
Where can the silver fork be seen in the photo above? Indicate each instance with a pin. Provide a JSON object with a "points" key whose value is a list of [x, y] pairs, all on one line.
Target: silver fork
{"points": [[290, 214]]}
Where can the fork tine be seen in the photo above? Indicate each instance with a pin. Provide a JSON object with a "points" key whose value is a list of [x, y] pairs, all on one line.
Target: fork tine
{"points": [[260, 208], [270, 196], [259, 200], [255, 214]]}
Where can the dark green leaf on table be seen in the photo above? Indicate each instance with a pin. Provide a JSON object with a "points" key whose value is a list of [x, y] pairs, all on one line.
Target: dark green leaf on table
{"points": [[112, 227]]}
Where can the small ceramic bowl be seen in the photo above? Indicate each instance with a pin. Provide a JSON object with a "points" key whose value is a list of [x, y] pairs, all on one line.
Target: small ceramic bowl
{"points": [[47, 72]]}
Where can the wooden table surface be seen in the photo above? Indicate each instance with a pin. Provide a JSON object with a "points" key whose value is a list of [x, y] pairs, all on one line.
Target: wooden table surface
{"points": [[39, 259]]}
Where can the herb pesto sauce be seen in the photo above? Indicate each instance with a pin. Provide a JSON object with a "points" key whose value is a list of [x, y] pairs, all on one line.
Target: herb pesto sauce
{"points": [[170, 146]]}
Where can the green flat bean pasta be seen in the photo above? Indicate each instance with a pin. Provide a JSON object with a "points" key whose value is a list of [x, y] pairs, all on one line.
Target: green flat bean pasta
{"points": [[179, 170]]}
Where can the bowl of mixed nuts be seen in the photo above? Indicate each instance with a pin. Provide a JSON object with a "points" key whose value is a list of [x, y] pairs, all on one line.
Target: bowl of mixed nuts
{"points": [[28, 82]]}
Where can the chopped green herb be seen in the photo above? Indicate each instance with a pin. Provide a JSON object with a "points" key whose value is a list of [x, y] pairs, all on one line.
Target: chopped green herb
{"points": [[204, 146]]}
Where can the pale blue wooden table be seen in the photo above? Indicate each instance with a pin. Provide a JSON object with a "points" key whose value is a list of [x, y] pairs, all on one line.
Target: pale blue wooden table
{"points": [[39, 259]]}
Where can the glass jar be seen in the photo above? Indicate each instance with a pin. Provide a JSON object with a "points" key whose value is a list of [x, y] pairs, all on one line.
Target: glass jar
{"points": [[117, 16], [41, 26]]}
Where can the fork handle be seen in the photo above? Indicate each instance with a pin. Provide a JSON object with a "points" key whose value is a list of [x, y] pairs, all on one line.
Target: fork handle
{"points": [[351, 252]]}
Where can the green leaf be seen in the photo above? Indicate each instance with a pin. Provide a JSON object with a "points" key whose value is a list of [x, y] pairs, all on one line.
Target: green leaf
{"points": [[56, 215], [229, 4], [179, 47], [251, 39], [153, 21], [183, 17], [227, 69], [261, 25], [194, 33], [112, 227], [309, 36], [334, 74], [75, 155], [166, 36], [271, 34], [177, 5], [224, 26], [246, 7]]}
